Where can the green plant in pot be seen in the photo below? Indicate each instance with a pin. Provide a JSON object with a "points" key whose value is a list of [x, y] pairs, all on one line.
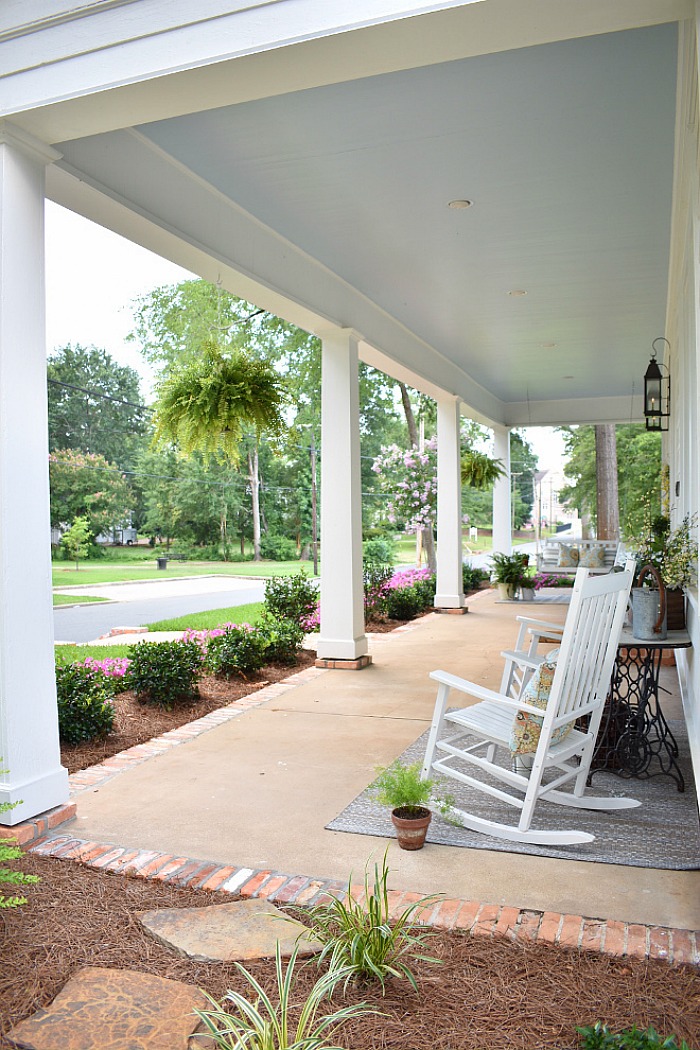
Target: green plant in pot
{"points": [[507, 571], [400, 787], [673, 552], [527, 586]]}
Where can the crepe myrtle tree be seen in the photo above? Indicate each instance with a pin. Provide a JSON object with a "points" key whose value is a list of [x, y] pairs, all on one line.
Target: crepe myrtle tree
{"points": [[409, 477]]}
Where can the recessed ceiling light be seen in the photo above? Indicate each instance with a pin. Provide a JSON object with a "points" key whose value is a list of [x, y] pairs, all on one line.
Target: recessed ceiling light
{"points": [[548, 346], [518, 292], [460, 204]]}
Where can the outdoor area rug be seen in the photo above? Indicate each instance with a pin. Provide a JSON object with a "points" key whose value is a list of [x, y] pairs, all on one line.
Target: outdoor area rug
{"points": [[661, 833]]}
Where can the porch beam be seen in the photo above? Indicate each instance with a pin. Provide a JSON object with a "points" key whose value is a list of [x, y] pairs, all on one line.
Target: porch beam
{"points": [[449, 591], [342, 635], [29, 745]]}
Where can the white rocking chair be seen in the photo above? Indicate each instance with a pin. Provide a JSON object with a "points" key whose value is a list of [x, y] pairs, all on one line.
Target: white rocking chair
{"points": [[579, 688]]}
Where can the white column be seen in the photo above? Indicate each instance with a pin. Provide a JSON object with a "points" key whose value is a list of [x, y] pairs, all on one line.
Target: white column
{"points": [[342, 635], [28, 715], [449, 591], [502, 536]]}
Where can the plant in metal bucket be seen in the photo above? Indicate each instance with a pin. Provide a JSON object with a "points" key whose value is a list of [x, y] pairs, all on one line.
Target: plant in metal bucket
{"points": [[277, 1024], [359, 938]]}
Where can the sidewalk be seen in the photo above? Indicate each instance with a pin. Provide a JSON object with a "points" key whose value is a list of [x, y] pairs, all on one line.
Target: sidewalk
{"points": [[256, 791]]}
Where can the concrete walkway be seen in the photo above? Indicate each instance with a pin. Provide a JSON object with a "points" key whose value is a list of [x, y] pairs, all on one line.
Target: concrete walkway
{"points": [[256, 791]]}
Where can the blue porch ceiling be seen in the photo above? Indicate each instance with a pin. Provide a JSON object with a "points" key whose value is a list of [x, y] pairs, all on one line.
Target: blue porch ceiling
{"points": [[566, 150]]}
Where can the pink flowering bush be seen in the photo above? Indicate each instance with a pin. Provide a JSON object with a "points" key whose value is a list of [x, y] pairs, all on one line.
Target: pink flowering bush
{"points": [[113, 667], [543, 579]]}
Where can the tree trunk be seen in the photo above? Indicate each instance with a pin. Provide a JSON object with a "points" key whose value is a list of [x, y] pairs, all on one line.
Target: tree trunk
{"points": [[223, 532], [427, 534], [607, 502], [254, 479]]}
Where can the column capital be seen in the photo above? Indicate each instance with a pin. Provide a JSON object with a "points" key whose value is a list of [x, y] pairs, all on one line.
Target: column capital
{"points": [[12, 135], [328, 330]]}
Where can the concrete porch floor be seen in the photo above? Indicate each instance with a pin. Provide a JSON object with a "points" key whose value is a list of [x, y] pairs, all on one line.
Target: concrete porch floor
{"points": [[258, 790]]}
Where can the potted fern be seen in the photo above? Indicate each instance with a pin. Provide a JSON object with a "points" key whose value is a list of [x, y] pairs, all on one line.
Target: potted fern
{"points": [[400, 787]]}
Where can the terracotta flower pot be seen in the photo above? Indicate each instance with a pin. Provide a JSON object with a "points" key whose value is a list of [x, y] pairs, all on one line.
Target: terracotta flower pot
{"points": [[411, 830]]}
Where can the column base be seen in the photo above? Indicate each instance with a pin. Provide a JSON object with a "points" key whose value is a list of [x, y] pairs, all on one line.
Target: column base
{"points": [[453, 612], [358, 664], [32, 830]]}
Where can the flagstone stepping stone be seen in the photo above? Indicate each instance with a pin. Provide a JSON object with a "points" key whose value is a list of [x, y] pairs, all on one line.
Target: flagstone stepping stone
{"points": [[104, 1009], [247, 929]]}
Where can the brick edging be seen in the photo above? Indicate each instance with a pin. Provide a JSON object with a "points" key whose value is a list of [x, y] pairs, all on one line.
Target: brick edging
{"points": [[607, 937]]}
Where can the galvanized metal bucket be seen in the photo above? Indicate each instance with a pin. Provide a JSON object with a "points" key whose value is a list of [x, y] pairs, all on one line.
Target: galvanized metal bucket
{"points": [[649, 608]]}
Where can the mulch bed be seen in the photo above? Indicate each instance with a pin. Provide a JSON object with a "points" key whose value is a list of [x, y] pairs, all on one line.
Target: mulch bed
{"points": [[486, 995], [136, 722]]}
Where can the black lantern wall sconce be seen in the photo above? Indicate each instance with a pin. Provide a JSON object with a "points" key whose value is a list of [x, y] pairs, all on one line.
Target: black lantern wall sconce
{"points": [[657, 391]]}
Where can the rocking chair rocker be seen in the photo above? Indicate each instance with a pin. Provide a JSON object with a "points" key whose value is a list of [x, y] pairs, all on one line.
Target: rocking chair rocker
{"points": [[580, 680]]}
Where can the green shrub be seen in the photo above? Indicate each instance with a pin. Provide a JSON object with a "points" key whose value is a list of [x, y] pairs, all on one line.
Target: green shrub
{"points": [[164, 673], [360, 938], [238, 651], [9, 877], [425, 589], [291, 597], [379, 551], [281, 639], [599, 1037], [278, 548], [472, 578], [404, 603], [85, 708]]}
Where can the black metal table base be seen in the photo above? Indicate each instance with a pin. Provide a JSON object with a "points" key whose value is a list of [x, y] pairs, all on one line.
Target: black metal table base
{"points": [[634, 738]]}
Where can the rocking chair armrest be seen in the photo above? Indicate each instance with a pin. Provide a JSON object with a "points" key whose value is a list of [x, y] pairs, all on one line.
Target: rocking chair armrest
{"points": [[480, 692], [532, 622], [522, 659]]}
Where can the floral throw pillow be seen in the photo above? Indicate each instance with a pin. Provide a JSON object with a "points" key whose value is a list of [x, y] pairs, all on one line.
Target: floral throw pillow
{"points": [[568, 556], [525, 732], [592, 558]]}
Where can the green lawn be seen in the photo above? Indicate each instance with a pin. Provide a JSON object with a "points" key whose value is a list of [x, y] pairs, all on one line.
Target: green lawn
{"points": [[94, 572], [71, 599], [205, 621], [69, 654]]}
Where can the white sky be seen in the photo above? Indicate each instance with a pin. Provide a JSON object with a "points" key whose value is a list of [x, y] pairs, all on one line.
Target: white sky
{"points": [[93, 277]]}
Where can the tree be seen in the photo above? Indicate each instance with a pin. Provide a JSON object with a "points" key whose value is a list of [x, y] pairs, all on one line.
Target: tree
{"points": [[638, 473], [76, 540], [171, 324], [607, 499], [95, 404], [87, 485], [523, 464]]}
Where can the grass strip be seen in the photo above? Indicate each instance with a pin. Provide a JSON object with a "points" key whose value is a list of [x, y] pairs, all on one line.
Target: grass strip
{"points": [[205, 621], [71, 654], [76, 599]]}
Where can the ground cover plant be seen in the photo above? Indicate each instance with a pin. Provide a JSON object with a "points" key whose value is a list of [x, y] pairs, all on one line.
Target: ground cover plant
{"points": [[486, 994]]}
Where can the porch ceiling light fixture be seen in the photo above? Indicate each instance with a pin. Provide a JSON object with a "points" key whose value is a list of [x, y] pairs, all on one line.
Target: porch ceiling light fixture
{"points": [[657, 391]]}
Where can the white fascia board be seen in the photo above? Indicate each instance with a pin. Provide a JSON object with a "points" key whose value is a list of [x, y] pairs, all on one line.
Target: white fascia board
{"points": [[280, 46], [78, 50], [576, 411], [127, 184]]}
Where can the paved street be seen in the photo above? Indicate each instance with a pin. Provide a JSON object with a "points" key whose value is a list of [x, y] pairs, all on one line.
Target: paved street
{"points": [[134, 604]]}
